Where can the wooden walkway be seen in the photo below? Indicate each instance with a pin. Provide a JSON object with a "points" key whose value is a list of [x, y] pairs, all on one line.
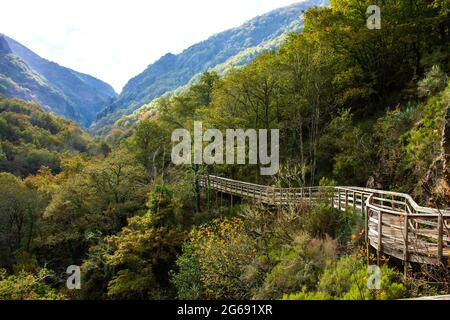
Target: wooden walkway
{"points": [[397, 225]]}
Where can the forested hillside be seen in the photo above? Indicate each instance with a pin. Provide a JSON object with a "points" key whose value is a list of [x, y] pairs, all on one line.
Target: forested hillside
{"points": [[354, 107], [232, 48], [31, 138], [65, 92]]}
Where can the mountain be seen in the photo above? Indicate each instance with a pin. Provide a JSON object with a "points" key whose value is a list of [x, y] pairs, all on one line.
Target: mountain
{"points": [[63, 91], [31, 138], [233, 48]]}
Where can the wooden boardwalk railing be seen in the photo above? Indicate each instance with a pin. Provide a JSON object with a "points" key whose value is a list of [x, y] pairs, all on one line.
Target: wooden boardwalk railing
{"points": [[397, 226]]}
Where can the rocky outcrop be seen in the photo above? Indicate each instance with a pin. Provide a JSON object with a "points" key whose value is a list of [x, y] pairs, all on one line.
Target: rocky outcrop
{"points": [[437, 181], [446, 145]]}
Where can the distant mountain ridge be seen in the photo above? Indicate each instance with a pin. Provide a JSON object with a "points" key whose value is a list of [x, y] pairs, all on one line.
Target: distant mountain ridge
{"points": [[4, 46], [232, 48], [63, 91]]}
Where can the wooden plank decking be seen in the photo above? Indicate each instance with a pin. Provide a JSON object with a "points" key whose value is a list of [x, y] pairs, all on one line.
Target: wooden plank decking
{"points": [[397, 225]]}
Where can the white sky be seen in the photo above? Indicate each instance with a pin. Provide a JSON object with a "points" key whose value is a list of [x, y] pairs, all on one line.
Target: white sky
{"points": [[115, 40]]}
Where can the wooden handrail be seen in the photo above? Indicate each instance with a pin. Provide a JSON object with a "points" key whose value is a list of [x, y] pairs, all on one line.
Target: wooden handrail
{"points": [[395, 222], [416, 208]]}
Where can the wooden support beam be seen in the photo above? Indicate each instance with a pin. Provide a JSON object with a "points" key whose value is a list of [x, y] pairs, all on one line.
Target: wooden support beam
{"points": [[332, 199], [404, 223], [339, 200], [354, 200], [380, 237], [363, 204], [440, 238], [405, 248], [367, 235], [346, 199]]}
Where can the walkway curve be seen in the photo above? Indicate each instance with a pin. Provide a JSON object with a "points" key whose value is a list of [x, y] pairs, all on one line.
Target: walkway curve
{"points": [[397, 225]]}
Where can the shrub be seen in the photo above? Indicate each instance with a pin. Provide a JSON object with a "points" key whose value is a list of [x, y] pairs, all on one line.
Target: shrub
{"points": [[187, 280], [299, 266], [219, 257], [321, 221], [324, 221], [27, 286], [435, 81], [347, 280]]}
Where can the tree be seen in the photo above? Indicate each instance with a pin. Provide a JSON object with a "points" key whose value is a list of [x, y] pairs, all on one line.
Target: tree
{"points": [[94, 201], [151, 144], [218, 257], [347, 279], [134, 263], [19, 209], [28, 286]]}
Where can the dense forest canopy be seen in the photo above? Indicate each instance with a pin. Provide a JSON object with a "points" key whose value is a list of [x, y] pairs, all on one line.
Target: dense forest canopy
{"points": [[354, 107], [31, 138]]}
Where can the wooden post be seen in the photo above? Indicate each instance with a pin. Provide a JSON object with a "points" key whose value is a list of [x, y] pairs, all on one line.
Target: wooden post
{"points": [[254, 195], [405, 249], [367, 235], [346, 199], [339, 199], [440, 237], [363, 204], [354, 200], [332, 199], [380, 230]]}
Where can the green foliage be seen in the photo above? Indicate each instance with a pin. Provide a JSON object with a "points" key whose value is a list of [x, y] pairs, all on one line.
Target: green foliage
{"points": [[347, 280], [19, 208], [27, 286], [345, 101], [140, 256], [327, 182], [31, 138], [409, 142], [391, 135], [151, 145], [222, 253], [434, 82], [163, 207], [321, 221], [92, 199], [324, 221], [232, 48], [299, 265], [188, 278], [348, 149], [422, 148], [134, 263]]}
